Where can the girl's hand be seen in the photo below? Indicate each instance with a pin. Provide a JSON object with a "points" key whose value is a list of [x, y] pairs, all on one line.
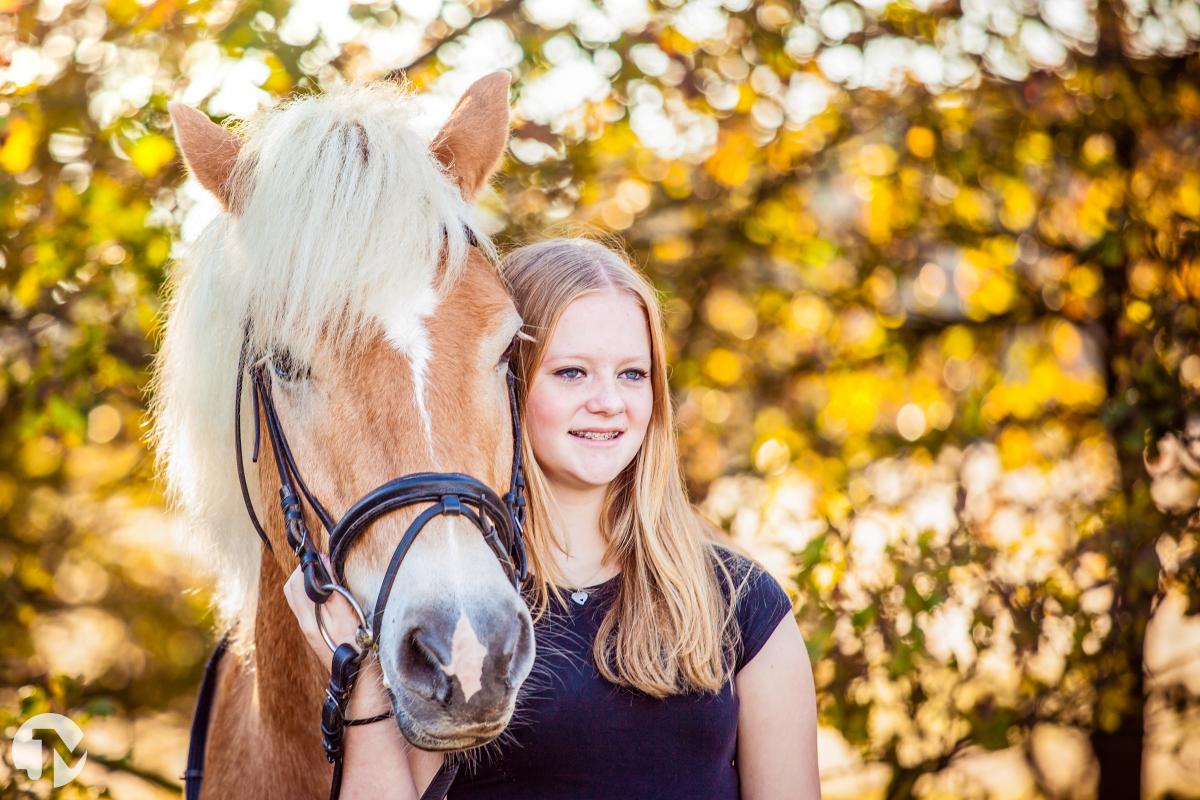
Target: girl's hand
{"points": [[340, 620], [369, 696], [376, 763]]}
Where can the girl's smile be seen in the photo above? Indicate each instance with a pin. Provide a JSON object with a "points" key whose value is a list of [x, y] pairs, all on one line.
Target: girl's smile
{"points": [[597, 437]]}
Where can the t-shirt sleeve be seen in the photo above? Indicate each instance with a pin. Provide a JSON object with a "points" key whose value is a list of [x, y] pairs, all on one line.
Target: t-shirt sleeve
{"points": [[762, 604]]}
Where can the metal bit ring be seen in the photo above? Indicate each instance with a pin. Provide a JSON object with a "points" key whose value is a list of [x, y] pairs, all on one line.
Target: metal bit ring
{"points": [[362, 637]]}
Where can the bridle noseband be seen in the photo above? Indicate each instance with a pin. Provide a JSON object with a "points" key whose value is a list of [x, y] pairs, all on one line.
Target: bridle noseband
{"points": [[499, 520]]}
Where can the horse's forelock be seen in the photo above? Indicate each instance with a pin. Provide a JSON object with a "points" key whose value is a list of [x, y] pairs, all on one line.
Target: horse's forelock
{"points": [[328, 228]]}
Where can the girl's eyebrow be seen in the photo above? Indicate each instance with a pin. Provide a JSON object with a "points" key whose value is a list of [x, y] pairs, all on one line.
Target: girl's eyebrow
{"points": [[584, 357]]}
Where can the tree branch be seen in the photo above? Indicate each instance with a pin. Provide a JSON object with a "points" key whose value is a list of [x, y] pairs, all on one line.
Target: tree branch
{"points": [[124, 764], [499, 10]]}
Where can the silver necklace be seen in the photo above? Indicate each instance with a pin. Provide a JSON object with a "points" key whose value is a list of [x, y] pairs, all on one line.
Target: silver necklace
{"points": [[579, 596]]}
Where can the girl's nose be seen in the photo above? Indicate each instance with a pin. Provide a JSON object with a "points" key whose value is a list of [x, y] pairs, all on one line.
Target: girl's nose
{"points": [[606, 399]]}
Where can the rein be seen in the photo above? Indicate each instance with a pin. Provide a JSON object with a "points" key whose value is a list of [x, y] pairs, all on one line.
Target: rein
{"points": [[499, 520]]}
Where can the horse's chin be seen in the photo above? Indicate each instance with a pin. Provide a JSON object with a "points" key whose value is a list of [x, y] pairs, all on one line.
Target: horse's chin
{"points": [[456, 738]]}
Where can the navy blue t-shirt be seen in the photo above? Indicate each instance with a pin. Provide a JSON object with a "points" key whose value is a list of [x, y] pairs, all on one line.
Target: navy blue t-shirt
{"points": [[575, 736]]}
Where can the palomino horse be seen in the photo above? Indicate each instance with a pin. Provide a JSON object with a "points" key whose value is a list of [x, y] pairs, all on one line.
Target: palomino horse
{"points": [[345, 259]]}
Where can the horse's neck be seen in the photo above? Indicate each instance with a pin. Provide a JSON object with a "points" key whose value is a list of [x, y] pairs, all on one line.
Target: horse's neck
{"points": [[289, 680], [268, 710]]}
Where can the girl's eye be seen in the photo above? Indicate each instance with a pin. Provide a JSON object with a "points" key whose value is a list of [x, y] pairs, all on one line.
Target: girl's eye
{"points": [[635, 374], [287, 368], [570, 373]]}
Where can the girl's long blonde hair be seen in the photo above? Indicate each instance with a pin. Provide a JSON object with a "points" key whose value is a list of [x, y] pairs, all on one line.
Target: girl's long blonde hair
{"points": [[671, 627]]}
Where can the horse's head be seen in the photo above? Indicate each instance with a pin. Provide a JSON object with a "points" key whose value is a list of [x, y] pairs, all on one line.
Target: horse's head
{"points": [[344, 248]]}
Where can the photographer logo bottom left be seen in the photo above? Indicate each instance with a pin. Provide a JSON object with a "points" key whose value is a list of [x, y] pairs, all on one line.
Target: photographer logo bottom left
{"points": [[27, 751]]}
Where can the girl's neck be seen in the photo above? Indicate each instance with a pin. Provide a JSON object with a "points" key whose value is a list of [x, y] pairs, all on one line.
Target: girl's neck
{"points": [[578, 515]]}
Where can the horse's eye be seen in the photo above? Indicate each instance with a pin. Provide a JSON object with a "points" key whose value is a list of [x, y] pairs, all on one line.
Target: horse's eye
{"points": [[509, 352], [287, 367]]}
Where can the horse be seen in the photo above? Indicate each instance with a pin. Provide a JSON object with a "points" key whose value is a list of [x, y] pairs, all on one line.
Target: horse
{"points": [[345, 266]]}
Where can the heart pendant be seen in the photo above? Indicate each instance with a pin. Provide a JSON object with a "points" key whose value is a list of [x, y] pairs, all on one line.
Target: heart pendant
{"points": [[579, 597]]}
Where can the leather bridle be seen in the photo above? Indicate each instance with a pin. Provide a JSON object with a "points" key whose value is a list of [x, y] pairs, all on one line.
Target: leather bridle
{"points": [[499, 520]]}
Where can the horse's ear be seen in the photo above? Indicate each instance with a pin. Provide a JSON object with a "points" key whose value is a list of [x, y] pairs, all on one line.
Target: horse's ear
{"points": [[472, 141], [209, 150]]}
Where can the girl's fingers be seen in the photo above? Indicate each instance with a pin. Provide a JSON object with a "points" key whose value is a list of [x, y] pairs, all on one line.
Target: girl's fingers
{"points": [[303, 608], [342, 625], [340, 620]]}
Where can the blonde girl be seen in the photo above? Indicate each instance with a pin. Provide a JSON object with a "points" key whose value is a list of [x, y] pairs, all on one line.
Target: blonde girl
{"points": [[668, 666]]}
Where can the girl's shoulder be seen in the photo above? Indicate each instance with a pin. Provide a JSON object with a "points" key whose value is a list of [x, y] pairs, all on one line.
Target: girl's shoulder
{"points": [[760, 602]]}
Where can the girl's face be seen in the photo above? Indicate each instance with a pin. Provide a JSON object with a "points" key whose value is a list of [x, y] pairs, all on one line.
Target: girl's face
{"points": [[590, 400]]}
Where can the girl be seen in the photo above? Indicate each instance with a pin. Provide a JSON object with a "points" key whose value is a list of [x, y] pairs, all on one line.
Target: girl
{"points": [[667, 665]]}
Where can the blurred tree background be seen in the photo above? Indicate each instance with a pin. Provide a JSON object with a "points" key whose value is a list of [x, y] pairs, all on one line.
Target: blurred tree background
{"points": [[930, 270]]}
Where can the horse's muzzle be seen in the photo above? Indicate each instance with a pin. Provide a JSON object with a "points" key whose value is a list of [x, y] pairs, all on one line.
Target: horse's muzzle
{"points": [[456, 672]]}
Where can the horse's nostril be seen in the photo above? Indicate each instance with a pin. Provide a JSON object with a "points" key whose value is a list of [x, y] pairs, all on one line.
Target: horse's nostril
{"points": [[422, 668], [419, 641], [517, 663]]}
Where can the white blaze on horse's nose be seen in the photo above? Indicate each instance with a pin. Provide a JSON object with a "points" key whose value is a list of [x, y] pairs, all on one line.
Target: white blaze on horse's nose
{"points": [[467, 654], [403, 321]]}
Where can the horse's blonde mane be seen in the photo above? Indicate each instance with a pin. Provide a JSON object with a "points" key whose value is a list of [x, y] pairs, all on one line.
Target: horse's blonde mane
{"points": [[343, 212]]}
